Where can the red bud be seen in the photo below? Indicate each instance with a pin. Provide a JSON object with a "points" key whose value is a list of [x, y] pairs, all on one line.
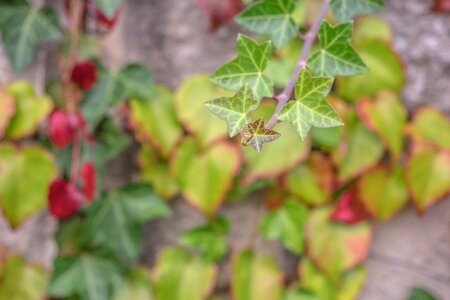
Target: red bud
{"points": [[64, 199], [84, 74], [63, 128]]}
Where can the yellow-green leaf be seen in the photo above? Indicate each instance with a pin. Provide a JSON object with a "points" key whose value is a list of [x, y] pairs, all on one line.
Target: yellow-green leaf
{"points": [[136, 286], [8, 106], [431, 126]]}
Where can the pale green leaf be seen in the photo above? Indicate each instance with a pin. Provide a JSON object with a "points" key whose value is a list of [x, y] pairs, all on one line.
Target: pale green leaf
{"points": [[346, 10], [136, 286], [273, 17], [336, 57], [247, 68], [431, 126], [234, 109], [287, 225]]}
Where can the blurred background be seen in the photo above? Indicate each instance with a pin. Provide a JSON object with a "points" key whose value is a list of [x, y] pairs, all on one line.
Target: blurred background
{"points": [[172, 38]]}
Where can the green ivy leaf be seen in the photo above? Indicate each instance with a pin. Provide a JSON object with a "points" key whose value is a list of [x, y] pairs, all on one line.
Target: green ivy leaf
{"points": [[346, 10], [349, 248], [310, 107], [313, 280], [180, 276], [156, 171], [247, 68], [113, 87], [286, 224], [22, 281], [383, 192], [269, 163], [385, 72], [336, 56], [114, 219], [190, 109], [313, 181], [431, 126], [418, 293], [155, 121], [23, 190], [386, 116], [256, 135], [234, 109], [23, 27], [8, 106], [87, 276], [249, 271], [108, 7], [427, 175], [31, 110], [295, 293], [210, 239], [136, 286], [204, 177], [271, 17]]}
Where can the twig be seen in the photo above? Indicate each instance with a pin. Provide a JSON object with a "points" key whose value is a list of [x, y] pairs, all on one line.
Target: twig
{"points": [[309, 39]]}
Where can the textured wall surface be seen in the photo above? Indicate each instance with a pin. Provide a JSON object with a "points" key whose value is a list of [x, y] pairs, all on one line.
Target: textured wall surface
{"points": [[171, 37]]}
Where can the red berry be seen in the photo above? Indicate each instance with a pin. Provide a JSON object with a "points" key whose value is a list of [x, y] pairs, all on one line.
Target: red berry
{"points": [[349, 209], [84, 74], [220, 12], [64, 199], [62, 128], [88, 177]]}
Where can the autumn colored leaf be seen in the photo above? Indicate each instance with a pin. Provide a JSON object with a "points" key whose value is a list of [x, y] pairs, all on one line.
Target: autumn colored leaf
{"points": [[8, 109], [65, 199], [386, 116], [180, 276], [350, 209], [204, 177], [256, 135], [383, 192], [234, 110], [313, 181], [247, 68], [84, 74], [430, 126], [250, 269], [310, 107], [23, 189], [349, 247], [442, 6], [271, 17], [31, 110], [189, 103], [220, 12], [154, 120], [336, 57], [427, 175]]}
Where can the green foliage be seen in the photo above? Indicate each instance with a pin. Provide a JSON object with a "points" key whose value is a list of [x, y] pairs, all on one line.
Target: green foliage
{"points": [[247, 68], [137, 286], [271, 17], [109, 7], [286, 224], [345, 10], [336, 56], [23, 189], [418, 293], [23, 28], [180, 276], [310, 108]]}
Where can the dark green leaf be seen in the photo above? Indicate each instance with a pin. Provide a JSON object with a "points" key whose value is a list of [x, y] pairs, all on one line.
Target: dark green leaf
{"points": [[418, 293]]}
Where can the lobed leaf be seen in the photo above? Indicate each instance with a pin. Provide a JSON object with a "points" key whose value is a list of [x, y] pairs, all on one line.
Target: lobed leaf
{"points": [[287, 225], [234, 110], [271, 17], [310, 107], [180, 276], [250, 270], [346, 10], [23, 28], [256, 135], [247, 68], [23, 190], [336, 56]]}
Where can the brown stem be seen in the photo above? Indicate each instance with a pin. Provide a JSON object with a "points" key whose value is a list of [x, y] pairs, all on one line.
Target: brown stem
{"points": [[309, 39]]}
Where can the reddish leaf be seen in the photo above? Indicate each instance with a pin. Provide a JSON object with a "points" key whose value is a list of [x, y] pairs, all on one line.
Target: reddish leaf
{"points": [[88, 177], [441, 6], [103, 20], [220, 12], [349, 209], [64, 199], [84, 74], [63, 127]]}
